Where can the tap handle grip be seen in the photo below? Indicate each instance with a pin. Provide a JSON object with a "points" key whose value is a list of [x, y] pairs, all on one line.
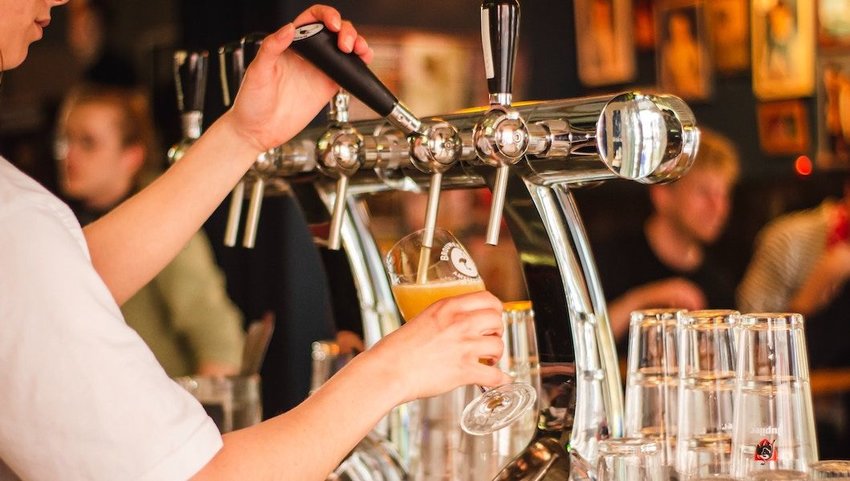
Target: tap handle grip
{"points": [[500, 37], [190, 75], [251, 44], [318, 45]]}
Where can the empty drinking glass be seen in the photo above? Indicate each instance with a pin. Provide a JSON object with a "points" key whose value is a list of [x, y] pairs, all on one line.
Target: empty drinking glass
{"points": [[706, 392], [629, 459], [774, 421], [652, 379]]}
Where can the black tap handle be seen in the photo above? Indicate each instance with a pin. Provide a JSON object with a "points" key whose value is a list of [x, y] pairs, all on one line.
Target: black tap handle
{"points": [[190, 72], [251, 45], [500, 37], [318, 45]]}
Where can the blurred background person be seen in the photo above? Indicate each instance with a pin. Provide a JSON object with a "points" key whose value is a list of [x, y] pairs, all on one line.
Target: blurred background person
{"points": [[104, 149], [667, 264], [801, 263]]}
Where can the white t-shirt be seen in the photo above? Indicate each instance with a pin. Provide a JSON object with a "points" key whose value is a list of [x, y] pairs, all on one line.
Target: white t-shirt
{"points": [[81, 395]]}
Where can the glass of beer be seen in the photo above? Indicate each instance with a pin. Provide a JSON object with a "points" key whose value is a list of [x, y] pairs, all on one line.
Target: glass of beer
{"points": [[421, 276]]}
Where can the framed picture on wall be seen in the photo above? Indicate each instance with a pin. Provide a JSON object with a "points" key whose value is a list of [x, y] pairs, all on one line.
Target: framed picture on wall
{"points": [[783, 127], [833, 22], [644, 24], [729, 30], [783, 47], [682, 55], [604, 42], [833, 111]]}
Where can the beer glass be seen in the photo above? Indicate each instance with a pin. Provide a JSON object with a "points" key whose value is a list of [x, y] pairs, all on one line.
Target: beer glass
{"points": [[421, 276], [706, 392], [774, 421], [652, 379]]}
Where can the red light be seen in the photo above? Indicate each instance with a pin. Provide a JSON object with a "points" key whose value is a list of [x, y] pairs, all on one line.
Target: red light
{"points": [[803, 165]]}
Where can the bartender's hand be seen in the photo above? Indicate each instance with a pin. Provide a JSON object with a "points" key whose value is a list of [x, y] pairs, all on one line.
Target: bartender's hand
{"points": [[281, 92], [440, 349]]}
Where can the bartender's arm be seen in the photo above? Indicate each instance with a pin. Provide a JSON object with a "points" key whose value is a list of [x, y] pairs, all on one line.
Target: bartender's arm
{"points": [[280, 95]]}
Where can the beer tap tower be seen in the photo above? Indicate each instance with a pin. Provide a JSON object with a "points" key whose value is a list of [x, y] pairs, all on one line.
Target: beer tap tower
{"points": [[531, 156]]}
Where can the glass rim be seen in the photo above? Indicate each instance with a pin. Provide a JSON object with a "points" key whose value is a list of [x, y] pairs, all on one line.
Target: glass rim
{"points": [[628, 446], [832, 465], [776, 321], [418, 233], [655, 316], [720, 318]]}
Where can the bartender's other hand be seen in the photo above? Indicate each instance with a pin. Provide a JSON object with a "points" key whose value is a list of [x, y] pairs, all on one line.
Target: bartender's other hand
{"points": [[281, 92], [440, 349]]}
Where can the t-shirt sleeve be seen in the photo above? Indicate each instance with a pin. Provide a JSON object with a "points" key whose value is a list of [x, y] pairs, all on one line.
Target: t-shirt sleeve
{"points": [[82, 396]]}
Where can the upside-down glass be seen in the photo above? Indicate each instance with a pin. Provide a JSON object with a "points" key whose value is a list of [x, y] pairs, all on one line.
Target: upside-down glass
{"points": [[774, 421], [629, 459], [421, 276], [652, 379], [706, 392]]}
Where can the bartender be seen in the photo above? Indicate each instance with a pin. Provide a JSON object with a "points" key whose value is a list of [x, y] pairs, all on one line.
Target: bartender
{"points": [[82, 395]]}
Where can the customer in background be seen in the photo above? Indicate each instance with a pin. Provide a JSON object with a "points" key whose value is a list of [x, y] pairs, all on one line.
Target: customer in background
{"points": [[107, 153], [801, 263], [666, 264]]}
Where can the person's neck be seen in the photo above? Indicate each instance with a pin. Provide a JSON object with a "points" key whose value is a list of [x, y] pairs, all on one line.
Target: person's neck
{"points": [[673, 249]]}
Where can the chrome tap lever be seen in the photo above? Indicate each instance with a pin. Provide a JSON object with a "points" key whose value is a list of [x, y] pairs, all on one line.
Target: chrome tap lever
{"points": [[190, 76], [501, 138], [434, 152], [339, 154], [254, 206]]}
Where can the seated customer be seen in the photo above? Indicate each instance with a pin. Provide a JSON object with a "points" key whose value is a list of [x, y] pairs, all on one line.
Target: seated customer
{"points": [[666, 264], [801, 263], [184, 314]]}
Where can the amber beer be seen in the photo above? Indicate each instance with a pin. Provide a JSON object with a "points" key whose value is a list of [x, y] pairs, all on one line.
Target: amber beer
{"points": [[413, 298]]}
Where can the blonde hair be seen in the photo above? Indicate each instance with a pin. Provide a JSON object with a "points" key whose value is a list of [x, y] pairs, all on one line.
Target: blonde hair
{"points": [[135, 122], [717, 153]]}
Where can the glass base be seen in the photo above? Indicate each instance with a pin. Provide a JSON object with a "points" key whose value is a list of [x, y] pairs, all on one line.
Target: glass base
{"points": [[497, 408]]}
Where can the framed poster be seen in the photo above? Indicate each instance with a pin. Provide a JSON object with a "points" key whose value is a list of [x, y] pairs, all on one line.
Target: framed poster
{"points": [[604, 42], [644, 24], [833, 22], [833, 111], [729, 30], [783, 48], [783, 127], [683, 62]]}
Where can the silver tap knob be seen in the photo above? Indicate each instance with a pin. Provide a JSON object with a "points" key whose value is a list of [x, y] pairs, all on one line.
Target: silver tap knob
{"points": [[339, 155], [501, 138], [190, 78]]}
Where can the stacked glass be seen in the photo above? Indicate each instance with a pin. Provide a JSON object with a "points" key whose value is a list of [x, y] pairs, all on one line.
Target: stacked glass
{"points": [[706, 392], [652, 380], [774, 420]]}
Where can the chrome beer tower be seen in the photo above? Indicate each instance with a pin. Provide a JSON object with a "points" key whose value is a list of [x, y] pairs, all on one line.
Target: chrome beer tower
{"points": [[531, 155]]}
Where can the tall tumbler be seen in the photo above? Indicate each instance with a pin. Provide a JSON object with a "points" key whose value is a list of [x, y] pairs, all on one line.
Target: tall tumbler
{"points": [[706, 392], [774, 423], [652, 380]]}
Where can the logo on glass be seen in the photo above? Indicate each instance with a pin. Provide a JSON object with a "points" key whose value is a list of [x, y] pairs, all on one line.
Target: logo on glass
{"points": [[460, 260], [765, 451]]}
